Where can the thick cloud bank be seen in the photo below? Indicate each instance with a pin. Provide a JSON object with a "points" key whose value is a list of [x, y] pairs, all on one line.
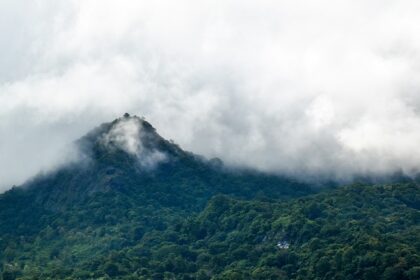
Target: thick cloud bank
{"points": [[320, 87]]}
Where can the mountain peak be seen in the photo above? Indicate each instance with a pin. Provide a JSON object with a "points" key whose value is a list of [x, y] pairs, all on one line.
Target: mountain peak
{"points": [[126, 133], [133, 136]]}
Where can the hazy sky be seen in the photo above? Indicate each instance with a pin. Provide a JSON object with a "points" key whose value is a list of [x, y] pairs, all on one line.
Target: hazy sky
{"points": [[321, 87]]}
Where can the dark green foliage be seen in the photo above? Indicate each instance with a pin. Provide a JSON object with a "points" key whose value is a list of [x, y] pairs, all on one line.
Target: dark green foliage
{"points": [[362, 232]]}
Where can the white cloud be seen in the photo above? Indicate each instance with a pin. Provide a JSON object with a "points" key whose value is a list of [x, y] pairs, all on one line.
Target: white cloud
{"points": [[319, 87], [128, 135]]}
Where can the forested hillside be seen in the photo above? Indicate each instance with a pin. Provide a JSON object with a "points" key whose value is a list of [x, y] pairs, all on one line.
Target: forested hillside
{"points": [[357, 232], [116, 215]]}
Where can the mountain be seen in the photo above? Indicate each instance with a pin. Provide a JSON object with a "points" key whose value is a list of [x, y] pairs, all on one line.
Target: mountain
{"points": [[126, 173], [129, 157], [136, 206]]}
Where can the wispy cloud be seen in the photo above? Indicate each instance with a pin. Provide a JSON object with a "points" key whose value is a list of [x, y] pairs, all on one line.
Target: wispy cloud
{"points": [[128, 135]]}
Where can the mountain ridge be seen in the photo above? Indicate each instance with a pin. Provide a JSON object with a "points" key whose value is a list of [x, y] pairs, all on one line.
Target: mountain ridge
{"points": [[128, 152], [137, 206]]}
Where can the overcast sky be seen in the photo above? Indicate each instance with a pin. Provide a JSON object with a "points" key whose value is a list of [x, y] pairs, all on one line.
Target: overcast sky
{"points": [[320, 87]]}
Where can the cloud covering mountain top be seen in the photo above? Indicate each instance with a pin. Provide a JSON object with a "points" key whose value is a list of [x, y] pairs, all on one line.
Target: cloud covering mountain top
{"points": [[128, 135], [320, 87]]}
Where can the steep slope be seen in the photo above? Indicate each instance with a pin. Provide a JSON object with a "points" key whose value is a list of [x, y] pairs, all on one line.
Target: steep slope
{"points": [[129, 181], [128, 156]]}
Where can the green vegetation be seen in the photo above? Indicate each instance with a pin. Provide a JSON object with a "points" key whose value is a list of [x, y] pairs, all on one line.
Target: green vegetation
{"points": [[358, 232], [193, 219]]}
